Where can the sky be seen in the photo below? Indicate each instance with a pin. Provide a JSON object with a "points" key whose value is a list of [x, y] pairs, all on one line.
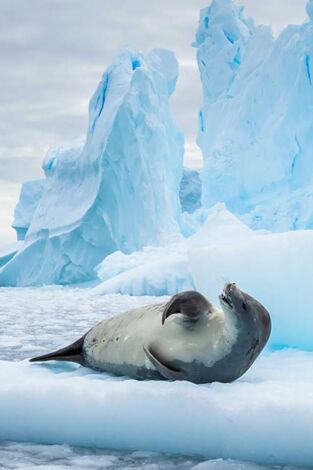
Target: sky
{"points": [[53, 53]]}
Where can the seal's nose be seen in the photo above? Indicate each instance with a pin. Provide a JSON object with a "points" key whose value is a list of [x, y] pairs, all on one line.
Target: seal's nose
{"points": [[229, 287]]}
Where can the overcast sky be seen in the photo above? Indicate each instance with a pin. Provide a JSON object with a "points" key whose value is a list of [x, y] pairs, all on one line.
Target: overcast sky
{"points": [[53, 53]]}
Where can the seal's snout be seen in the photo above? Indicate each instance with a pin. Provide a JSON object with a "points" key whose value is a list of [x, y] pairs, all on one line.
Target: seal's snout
{"points": [[226, 297], [229, 288]]}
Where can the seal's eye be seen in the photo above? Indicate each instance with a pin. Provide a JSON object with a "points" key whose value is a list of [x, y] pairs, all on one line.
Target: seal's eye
{"points": [[244, 306]]}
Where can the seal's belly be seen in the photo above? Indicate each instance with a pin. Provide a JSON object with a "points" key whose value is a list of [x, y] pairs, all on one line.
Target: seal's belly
{"points": [[119, 341]]}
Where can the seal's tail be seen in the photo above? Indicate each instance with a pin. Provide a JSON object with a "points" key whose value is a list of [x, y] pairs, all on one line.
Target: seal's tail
{"points": [[72, 353]]}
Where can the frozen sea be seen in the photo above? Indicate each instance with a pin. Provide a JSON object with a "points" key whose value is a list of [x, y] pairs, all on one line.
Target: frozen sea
{"points": [[37, 402]]}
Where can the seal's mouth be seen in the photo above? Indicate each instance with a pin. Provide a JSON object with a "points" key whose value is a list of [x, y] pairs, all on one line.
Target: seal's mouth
{"points": [[226, 297], [226, 300]]}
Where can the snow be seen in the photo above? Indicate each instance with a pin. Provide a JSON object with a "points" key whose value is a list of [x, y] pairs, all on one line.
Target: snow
{"points": [[264, 417], [255, 126], [63, 457], [118, 192]]}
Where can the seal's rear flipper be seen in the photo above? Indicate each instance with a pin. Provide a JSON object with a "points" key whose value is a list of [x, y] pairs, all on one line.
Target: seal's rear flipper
{"points": [[72, 353], [165, 371]]}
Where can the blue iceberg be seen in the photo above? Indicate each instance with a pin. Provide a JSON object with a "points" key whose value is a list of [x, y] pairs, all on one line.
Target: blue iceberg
{"points": [[30, 196], [255, 126], [120, 191]]}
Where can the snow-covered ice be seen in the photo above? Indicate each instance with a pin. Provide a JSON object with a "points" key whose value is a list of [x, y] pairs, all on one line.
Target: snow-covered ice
{"points": [[264, 417], [62, 457], [255, 126], [118, 192], [153, 271]]}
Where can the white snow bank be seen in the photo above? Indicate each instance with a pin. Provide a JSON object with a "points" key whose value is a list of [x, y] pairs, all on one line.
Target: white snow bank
{"points": [[275, 268], [267, 416], [153, 271]]}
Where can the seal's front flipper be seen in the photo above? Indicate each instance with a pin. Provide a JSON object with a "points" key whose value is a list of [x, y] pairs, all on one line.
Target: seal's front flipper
{"points": [[167, 372], [191, 304], [72, 353]]}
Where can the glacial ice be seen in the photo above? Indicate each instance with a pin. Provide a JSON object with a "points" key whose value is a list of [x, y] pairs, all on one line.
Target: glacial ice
{"points": [[8, 250], [190, 190], [255, 126], [120, 192], [30, 196]]}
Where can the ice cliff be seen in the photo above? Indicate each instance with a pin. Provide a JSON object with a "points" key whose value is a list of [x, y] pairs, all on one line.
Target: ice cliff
{"points": [[120, 191], [190, 190], [256, 123], [30, 196]]}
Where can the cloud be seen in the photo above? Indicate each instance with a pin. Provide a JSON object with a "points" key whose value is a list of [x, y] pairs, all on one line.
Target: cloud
{"points": [[54, 52]]}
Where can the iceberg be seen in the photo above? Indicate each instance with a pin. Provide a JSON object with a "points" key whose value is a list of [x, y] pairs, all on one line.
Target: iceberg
{"points": [[9, 250], [190, 190], [120, 191], [30, 196], [255, 125]]}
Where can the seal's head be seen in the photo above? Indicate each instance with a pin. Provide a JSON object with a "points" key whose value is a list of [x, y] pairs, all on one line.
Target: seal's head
{"points": [[252, 317]]}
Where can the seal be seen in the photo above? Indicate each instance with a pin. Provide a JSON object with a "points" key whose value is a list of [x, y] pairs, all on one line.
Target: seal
{"points": [[185, 339]]}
